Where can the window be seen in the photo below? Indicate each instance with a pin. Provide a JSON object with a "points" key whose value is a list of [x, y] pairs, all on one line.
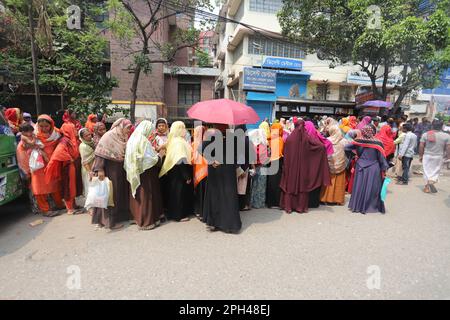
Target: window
{"points": [[272, 47], [267, 6], [322, 91], [345, 93], [188, 91]]}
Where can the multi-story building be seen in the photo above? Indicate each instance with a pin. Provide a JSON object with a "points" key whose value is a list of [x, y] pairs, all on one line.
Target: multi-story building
{"points": [[168, 91], [272, 75]]}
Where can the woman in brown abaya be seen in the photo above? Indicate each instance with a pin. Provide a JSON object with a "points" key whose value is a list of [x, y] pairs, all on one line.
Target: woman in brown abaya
{"points": [[305, 169], [109, 158], [141, 165]]}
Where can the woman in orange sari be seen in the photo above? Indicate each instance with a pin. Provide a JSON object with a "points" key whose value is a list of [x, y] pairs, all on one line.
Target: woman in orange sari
{"points": [[276, 163], [61, 167], [90, 123], [200, 166], [49, 136]]}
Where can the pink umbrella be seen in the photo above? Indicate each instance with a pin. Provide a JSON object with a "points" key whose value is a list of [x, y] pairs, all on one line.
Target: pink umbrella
{"points": [[223, 111]]}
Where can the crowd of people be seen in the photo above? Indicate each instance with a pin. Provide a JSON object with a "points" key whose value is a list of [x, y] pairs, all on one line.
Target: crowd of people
{"points": [[158, 173]]}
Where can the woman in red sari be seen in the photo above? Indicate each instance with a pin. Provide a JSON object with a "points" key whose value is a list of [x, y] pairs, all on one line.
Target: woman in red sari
{"points": [[61, 167], [42, 190], [70, 116], [90, 123], [15, 119], [386, 136]]}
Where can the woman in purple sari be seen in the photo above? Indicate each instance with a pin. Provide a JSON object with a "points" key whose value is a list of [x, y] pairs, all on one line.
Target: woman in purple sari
{"points": [[369, 173]]}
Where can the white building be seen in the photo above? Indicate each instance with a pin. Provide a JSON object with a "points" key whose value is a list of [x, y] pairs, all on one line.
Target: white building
{"points": [[304, 83]]}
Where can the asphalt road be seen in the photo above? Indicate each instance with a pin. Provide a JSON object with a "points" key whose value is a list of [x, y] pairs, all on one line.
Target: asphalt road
{"points": [[328, 253]]}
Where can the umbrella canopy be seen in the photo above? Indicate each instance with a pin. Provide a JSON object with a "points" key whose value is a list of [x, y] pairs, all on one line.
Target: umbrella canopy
{"points": [[223, 111], [377, 103]]}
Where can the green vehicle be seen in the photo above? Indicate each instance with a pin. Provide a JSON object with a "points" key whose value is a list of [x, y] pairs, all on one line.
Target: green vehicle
{"points": [[10, 182]]}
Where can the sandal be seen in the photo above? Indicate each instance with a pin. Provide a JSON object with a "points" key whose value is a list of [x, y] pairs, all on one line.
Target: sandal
{"points": [[427, 189], [185, 219], [433, 188], [51, 214], [150, 227], [116, 227]]}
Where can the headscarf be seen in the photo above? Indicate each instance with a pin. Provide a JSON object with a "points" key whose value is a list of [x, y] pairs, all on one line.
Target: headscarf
{"points": [[345, 125], [14, 117], [312, 131], [177, 147], [364, 122], [385, 136], [50, 140], [66, 151], [68, 118], [368, 139], [89, 123], [96, 137], [305, 163], [199, 163], [27, 115], [86, 148], [328, 123], [139, 155], [353, 123], [259, 140], [276, 142], [265, 126], [113, 143], [338, 161]]}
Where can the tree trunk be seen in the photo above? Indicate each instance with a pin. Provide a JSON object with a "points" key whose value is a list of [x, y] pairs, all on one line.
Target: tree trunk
{"points": [[399, 100], [134, 87], [37, 93], [62, 100]]}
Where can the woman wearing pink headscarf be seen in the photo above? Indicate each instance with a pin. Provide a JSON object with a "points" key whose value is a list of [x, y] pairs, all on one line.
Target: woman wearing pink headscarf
{"points": [[364, 122], [312, 131]]}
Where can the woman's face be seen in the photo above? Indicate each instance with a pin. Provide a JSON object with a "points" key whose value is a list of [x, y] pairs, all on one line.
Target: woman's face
{"points": [[126, 130], [73, 115], [101, 130], [44, 126], [87, 135]]}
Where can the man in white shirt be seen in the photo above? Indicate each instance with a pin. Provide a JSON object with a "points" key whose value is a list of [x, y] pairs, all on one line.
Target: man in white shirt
{"points": [[406, 152]]}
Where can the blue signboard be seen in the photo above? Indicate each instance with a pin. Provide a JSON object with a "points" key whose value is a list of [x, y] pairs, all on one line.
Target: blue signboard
{"points": [[259, 79], [282, 63]]}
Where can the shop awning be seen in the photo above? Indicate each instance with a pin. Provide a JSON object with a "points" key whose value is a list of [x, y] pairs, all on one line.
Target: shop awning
{"points": [[260, 96], [299, 73]]}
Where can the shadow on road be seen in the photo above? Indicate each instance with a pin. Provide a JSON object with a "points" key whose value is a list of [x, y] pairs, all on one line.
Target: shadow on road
{"points": [[256, 216], [15, 231]]}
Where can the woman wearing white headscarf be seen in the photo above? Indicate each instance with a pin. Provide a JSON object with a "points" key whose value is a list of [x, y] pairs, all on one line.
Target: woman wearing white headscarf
{"points": [[177, 168], [141, 165], [258, 194]]}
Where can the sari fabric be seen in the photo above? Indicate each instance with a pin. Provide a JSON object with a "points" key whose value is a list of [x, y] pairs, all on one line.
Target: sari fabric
{"points": [[89, 123], [276, 142], [68, 119], [113, 143], [198, 161], [345, 125], [14, 117], [386, 137], [97, 136]]}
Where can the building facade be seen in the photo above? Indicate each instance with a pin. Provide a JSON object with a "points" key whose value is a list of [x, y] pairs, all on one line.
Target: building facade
{"points": [[167, 91]]}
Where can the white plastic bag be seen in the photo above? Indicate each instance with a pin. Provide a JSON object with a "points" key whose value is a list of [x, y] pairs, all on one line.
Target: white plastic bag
{"points": [[98, 194], [36, 160]]}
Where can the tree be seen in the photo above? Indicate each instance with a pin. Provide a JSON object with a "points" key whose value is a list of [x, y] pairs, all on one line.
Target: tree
{"points": [[70, 62], [204, 60], [137, 29], [76, 66], [32, 16], [377, 35]]}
